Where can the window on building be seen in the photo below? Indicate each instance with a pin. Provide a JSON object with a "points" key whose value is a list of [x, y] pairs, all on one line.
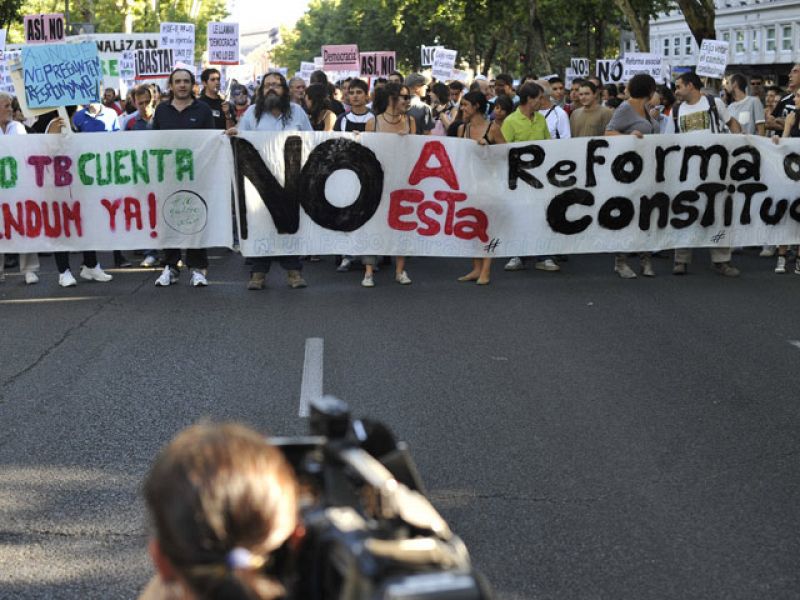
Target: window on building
{"points": [[688, 44], [666, 46], [676, 49], [726, 36], [755, 39], [740, 42], [786, 37], [770, 39]]}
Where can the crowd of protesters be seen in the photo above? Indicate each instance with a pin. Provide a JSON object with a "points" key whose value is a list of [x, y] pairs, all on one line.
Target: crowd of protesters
{"points": [[488, 111]]}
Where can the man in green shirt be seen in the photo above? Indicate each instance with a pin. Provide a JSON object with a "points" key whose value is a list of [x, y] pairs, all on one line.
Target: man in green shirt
{"points": [[527, 124]]}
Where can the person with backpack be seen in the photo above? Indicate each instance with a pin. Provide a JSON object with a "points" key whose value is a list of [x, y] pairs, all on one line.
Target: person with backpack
{"points": [[701, 112]]}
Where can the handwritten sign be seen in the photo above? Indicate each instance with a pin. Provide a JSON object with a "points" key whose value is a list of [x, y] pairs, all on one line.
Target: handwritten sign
{"points": [[426, 55], [154, 64], [580, 66], [223, 43], [444, 61], [44, 28], [713, 59], [340, 58], [643, 62], [61, 74], [610, 71], [178, 37], [377, 64]]}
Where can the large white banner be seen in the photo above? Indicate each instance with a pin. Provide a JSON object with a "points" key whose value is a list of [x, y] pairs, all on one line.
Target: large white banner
{"points": [[412, 195], [107, 191]]}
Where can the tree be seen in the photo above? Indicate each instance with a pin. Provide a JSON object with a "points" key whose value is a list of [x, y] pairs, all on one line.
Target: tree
{"points": [[699, 15]]}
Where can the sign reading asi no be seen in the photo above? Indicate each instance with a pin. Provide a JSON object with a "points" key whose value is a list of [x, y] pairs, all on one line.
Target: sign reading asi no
{"points": [[44, 28]]}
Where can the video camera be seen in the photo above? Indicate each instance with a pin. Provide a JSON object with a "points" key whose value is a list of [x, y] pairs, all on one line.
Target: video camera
{"points": [[371, 533]]}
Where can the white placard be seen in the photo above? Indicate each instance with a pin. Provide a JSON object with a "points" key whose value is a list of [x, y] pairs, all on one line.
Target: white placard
{"points": [[223, 43], [178, 37], [713, 59], [444, 61], [643, 62], [427, 54], [580, 67], [3, 33], [610, 71]]}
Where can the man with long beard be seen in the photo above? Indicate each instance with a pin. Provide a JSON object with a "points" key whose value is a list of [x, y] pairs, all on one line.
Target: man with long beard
{"points": [[272, 110]]}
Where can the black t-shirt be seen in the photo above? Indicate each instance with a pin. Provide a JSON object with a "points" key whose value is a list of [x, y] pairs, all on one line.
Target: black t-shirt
{"points": [[195, 116], [215, 104], [353, 122], [337, 107], [784, 107]]}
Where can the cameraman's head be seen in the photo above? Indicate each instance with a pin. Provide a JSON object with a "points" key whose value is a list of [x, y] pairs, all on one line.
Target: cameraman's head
{"points": [[222, 500]]}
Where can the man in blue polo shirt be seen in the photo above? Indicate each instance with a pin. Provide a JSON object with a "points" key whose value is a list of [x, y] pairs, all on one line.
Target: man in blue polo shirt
{"points": [[183, 111], [94, 118]]}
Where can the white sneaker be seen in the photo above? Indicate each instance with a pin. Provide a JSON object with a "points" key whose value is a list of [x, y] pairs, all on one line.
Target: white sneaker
{"points": [[31, 277], [368, 282], [514, 264], [167, 277], [198, 279], [547, 265], [344, 266], [780, 267], [66, 279], [402, 278], [767, 251], [95, 274], [622, 269], [149, 262]]}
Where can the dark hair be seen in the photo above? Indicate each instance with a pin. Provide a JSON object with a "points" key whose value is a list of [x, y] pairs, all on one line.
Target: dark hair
{"points": [[504, 102], [641, 85], [579, 82], [207, 73], [441, 91], [169, 81], [691, 78], [141, 90], [475, 86], [236, 87], [359, 84], [613, 102], [398, 74], [553, 80], [317, 94], [776, 89], [318, 77], [379, 81], [611, 89], [739, 80], [477, 99], [384, 94], [589, 84], [529, 90], [505, 78], [261, 97], [456, 85], [216, 488]]}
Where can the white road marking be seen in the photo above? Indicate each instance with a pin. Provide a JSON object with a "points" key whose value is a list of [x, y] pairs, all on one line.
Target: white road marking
{"points": [[311, 387], [795, 343]]}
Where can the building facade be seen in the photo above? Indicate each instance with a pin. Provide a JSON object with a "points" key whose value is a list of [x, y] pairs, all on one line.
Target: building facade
{"points": [[764, 37]]}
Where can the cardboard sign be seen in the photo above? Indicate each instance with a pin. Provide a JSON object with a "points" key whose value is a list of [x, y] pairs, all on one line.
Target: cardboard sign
{"points": [[44, 28], [377, 64], [580, 66], [610, 71], [319, 63], [427, 54], [154, 64], [444, 61], [340, 58], [61, 74], [223, 43], [713, 59], [6, 83], [643, 62], [178, 37]]}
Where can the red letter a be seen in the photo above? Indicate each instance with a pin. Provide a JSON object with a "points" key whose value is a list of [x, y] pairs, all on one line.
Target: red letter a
{"points": [[444, 171]]}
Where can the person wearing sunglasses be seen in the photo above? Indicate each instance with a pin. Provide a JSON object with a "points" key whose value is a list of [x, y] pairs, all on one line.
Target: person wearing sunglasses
{"points": [[417, 85]]}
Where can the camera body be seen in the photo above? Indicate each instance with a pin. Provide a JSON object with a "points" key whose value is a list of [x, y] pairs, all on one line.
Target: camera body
{"points": [[371, 534]]}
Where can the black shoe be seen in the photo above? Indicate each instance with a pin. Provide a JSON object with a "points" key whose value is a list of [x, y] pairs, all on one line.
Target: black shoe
{"points": [[12, 260], [120, 262]]}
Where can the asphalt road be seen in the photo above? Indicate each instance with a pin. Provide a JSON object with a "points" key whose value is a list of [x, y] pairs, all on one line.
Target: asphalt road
{"points": [[588, 437]]}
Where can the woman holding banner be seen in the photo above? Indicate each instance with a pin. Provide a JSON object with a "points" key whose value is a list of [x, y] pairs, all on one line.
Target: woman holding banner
{"points": [[791, 129], [478, 129], [28, 263], [390, 107], [633, 118]]}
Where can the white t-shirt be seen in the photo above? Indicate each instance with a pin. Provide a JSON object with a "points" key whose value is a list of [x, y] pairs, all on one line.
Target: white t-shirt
{"points": [[13, 128], [697, 117], [749, 112], [268, 122], [557, 122]]}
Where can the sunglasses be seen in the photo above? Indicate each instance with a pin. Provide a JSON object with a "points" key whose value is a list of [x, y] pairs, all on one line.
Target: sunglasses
{"points": [[405, 96]]}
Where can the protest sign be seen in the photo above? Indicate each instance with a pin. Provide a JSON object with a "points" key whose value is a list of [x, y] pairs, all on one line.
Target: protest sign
{"points": [[569, 77], [444, 61], [580, 66], [3, 33], [460, 75], [61, 74], [223, 43], [642, 62], [110, 47], [427, 54], [243, 74], [178, 37], [449, 197], [154, 64], [140, 190], [319, 63], [713, 59], [6, 83], [377, 64], [44, 28], [340, 58], [306, 69], [610, 71]]}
